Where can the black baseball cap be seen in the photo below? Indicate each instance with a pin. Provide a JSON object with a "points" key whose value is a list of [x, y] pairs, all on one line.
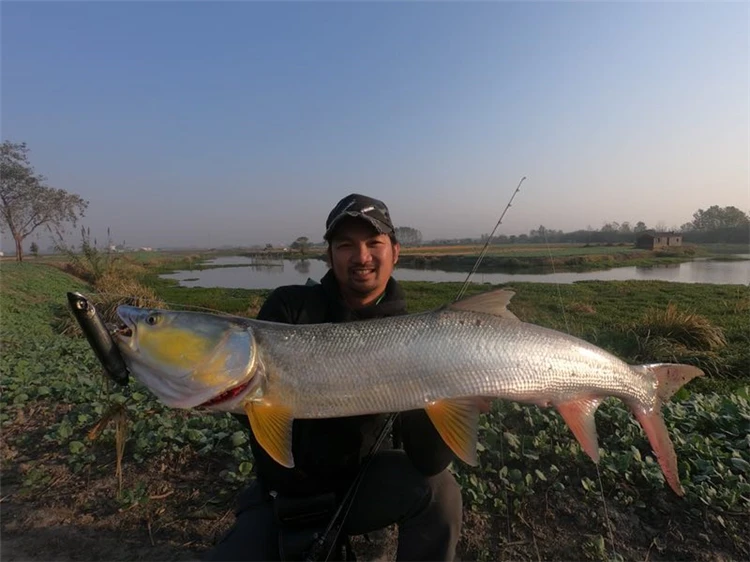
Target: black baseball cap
{"points": [[360, 206]]}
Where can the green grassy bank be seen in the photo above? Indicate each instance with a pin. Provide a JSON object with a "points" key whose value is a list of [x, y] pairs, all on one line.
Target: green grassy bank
{"points": [[533, 485]]}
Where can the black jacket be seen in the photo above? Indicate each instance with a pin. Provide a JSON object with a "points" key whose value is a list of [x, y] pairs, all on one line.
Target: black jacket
{"points": [[328, 452]]}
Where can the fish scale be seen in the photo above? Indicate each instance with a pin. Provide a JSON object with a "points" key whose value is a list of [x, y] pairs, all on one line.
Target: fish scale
{"points": [[411, 361]]}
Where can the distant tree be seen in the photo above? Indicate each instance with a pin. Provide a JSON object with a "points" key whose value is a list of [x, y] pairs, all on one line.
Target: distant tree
{"points": [[611, 227], [34, 249], [300, 244], [408, 236], [625, 228], [660, 226], [26, 203], [715, 218], [640, 226], [687, 227]]}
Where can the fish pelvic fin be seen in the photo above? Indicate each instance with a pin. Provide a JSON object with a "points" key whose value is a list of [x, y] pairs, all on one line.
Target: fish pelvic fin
{"points": [[272, 428], [579, 415], [491, 302], [670, 377], [457, 420]]}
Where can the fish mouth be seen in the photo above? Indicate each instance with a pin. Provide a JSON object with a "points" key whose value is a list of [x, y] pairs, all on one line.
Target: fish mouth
{"points": [[124, 330], [123, 333], [227, 395]]}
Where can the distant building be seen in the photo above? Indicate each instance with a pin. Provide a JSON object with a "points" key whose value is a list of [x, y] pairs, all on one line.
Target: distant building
{"points": [[656, 240]]}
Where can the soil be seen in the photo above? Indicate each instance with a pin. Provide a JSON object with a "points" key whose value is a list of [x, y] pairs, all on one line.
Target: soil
{"points": [[171, 508]]}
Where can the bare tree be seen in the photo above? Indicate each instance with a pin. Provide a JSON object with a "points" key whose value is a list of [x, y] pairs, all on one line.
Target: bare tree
{"points": [[26, 203], [408, 236]]}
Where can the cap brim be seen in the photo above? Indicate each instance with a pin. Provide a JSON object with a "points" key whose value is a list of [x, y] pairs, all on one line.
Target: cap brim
{"points": [[380, 226]]}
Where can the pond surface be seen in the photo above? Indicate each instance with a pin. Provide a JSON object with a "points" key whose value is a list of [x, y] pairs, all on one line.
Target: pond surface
{"points": [[252, 273]]}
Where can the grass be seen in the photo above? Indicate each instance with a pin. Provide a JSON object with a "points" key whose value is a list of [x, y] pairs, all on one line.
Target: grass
{"points": [[526, 250], [533, 481], [540, 257]]}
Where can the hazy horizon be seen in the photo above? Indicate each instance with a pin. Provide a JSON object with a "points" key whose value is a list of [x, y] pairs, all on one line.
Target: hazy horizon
{"points": [[212, 124]]}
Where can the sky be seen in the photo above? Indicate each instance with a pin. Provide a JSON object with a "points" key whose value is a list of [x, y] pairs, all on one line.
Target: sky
{"points": [[187, 123]]}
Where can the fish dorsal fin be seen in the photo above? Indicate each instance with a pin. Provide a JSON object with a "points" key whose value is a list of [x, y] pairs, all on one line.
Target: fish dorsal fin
{"points": [[491, 302], [272, 428], [456, 421]]}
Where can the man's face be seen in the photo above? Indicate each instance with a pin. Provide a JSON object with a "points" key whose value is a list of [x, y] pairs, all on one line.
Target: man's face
{"points": [[362, 260]]}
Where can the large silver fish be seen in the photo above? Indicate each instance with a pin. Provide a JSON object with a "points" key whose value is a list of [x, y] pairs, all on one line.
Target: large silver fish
{"points": [[441, 360]]}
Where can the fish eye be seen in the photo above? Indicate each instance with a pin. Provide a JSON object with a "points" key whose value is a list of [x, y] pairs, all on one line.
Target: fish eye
{"points": [[152, 319]]}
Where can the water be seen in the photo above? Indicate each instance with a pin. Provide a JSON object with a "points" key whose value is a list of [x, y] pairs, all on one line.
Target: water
{"points": [[272, 274]]}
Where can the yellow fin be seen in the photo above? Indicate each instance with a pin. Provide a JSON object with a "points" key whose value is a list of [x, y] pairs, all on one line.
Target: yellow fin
{"points": [[491, 302], [272, 427], [456, 421]]}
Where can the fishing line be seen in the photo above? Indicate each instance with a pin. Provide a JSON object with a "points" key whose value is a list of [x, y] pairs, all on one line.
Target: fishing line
{"points": [[567, 329], [557, 283], [458, 297], [606, 512], [178, 306]]}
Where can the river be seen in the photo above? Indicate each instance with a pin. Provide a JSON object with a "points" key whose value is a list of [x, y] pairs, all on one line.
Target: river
{"points": [[250, 274]]}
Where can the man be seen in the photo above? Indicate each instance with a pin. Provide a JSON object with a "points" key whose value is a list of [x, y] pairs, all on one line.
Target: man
{"points": [[411, 487]]}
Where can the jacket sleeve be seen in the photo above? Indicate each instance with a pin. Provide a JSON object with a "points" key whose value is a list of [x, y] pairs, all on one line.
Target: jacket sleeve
{"points": [[423, 444]]}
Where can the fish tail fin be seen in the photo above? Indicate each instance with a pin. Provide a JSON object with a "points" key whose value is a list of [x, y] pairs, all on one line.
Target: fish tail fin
{"points": [[670, 377]]}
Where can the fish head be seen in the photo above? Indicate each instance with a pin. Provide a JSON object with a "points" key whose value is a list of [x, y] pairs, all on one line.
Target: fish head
{"points": [[189, 359]]}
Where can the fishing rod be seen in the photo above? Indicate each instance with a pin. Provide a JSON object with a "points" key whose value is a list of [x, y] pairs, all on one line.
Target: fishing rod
{"points": [[334, 528], [487, 242]]}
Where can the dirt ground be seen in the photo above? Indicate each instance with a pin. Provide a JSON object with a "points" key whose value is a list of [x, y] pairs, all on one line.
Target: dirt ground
{"points": [[179, 511]]}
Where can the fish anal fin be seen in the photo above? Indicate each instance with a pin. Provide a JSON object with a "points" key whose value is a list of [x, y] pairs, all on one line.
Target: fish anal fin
{"points": [[456, 420], [491, 302], [272, 428], [579, 415], [653, 425]]}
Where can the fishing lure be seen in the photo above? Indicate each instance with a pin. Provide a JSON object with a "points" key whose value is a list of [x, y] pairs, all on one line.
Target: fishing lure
{"points": [[99, 337]]}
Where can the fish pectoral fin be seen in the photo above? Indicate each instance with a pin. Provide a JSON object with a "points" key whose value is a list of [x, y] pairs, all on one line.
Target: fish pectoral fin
{"points": [[456, 421], [272, 428], [579, 415], [491, 302]]}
